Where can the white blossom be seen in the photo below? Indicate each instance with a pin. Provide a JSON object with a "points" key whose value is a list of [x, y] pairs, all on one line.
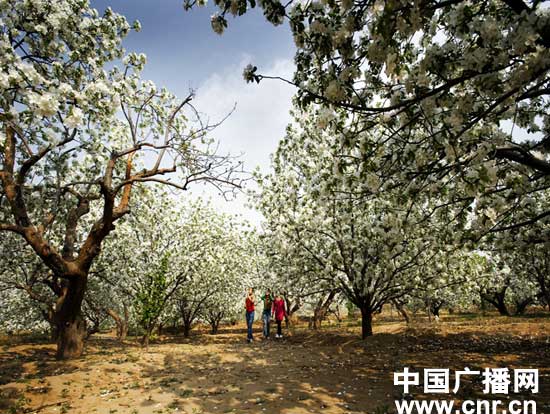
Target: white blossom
{"points": [[75, 118]]}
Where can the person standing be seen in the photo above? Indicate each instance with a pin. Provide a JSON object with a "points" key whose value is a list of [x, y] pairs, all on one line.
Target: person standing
{"points": [[267, 300], [279, 312], [249, 305]]}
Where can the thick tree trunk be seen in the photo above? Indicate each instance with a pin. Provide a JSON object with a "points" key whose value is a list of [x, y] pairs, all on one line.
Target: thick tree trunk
{"points": [[70, 341], [68, 318], [498, 301], [71, 325], [521, 306], [187, 326], [214, 325], [502, 308], [54, 332], [366, 322]]}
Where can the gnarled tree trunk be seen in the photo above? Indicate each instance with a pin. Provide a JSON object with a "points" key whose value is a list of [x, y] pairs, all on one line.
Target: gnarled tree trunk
{"points": [[120, 322], [321, 309], [521, 306], [69, 321], [497, 299], [187, 326], [366, 321]]}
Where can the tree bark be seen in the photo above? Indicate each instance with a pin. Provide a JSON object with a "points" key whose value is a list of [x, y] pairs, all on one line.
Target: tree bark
{"points": [[321, 309], [521, 306], [214, 319], [187, 326], [366, 322], [502, 308], [70, 342], [497, 299], [121, 324], [145, 339], [401, 309], [291, 309], [71, 325], [189, 311], [54, 332]]}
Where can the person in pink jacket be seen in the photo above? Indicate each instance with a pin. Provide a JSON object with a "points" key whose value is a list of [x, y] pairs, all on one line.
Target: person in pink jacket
{"points": [[278, 312]]}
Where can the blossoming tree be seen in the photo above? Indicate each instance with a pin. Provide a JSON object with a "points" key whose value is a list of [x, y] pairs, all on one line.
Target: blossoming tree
{"points": [[75, 135], [220, 274], [457, 90], [370, 248]]}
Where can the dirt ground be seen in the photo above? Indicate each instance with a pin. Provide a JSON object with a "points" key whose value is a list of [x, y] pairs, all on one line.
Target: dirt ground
{"points": [[331, 371]]}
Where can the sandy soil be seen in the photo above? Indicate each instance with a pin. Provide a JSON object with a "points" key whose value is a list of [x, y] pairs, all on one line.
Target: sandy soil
{"points": [[330, 371]]}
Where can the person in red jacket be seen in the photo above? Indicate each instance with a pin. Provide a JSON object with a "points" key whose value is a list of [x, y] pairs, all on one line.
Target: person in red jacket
{"points": [[279, 312], [249, 305]]}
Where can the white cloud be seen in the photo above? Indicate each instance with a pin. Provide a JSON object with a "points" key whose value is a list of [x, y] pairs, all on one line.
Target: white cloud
{"points": [[255, 127], [261, 114]]}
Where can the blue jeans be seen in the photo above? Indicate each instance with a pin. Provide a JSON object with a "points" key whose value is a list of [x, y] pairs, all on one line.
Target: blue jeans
{"points": [[266, 316], [249, 321]]}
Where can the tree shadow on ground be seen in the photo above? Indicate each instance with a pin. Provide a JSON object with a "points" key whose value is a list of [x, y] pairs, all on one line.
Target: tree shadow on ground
{"points": [[22, 363], [10, 399], [326, 371], [271, 376], [314, 370]]}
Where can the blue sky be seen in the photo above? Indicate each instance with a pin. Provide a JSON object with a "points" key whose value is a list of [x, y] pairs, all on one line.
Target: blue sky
{"points": [[181, 47], [183, 53]]}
